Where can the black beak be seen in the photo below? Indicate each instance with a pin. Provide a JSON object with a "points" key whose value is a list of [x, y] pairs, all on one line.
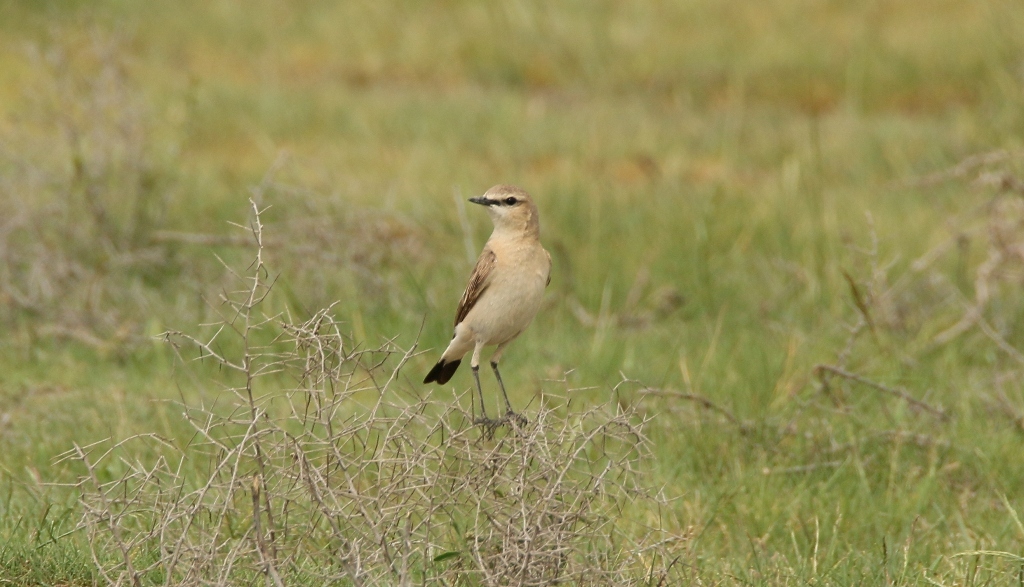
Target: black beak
{"points": [[482, 201]]}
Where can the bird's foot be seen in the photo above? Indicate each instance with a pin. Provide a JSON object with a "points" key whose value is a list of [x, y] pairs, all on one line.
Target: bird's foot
{"points": [[514, 418], [488, 425], [510, 419]]}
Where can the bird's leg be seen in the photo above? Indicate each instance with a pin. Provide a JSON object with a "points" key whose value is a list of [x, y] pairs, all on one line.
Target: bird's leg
{"points": [[510, 414], [474, 364], [480, 392], [501, 384]]}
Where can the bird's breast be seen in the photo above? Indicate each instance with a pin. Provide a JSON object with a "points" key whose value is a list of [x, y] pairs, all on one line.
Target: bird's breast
{"points": [[513, 296]]}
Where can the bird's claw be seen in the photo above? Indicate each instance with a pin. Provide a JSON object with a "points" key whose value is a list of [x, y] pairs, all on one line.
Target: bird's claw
{"points": [[511, 419], [517, 419]]}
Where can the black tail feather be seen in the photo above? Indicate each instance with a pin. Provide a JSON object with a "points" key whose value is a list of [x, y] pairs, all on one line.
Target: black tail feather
{"points": [[442, 372]]}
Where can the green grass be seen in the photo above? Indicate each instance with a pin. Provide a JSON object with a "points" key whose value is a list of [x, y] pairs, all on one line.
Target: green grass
{"points": [[705, 171]]}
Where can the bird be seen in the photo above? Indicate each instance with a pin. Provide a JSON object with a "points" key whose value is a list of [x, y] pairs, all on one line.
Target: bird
{"points": [[505, 290]]}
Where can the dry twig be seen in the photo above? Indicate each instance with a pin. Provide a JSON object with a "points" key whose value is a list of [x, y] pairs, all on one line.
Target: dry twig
{"points": [[821, 370]]}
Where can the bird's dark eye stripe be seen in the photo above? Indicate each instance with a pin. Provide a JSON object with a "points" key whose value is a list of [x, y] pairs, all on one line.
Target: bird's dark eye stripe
{"points": [[510, 201]]}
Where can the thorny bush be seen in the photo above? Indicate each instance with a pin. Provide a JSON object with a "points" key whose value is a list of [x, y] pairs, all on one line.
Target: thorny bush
{"points": [[321, 464]]}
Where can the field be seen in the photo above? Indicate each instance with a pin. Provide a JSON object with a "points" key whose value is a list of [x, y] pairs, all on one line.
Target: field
{"points": [[788, 244]]}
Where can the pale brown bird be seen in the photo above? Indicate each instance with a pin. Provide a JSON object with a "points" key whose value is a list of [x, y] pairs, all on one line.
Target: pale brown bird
{"points": [[505, 290]]}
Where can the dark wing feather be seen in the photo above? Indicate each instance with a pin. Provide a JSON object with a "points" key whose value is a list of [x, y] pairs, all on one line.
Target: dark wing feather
{"points": [[478, 282]]}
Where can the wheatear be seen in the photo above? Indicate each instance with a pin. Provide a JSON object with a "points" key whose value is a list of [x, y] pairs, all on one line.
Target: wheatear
{"points": [[505, 290]]}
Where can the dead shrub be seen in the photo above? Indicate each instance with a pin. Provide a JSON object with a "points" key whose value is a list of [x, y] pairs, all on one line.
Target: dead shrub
{"points": [[962, 294], [320, 464], [80, 193]]}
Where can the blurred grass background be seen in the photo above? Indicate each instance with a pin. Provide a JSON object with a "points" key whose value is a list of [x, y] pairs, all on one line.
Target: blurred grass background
{"points": [[706, 173]]}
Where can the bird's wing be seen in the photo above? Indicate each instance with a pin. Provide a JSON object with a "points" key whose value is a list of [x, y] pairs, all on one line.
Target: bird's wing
{"points": [[478, 282], [548, 255]]}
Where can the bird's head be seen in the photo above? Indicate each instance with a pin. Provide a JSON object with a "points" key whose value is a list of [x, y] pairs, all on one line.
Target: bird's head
{"points": [[511, 209]]}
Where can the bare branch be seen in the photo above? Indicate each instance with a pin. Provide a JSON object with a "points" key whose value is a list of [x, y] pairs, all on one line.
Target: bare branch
{"points": [[821, 369]]}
